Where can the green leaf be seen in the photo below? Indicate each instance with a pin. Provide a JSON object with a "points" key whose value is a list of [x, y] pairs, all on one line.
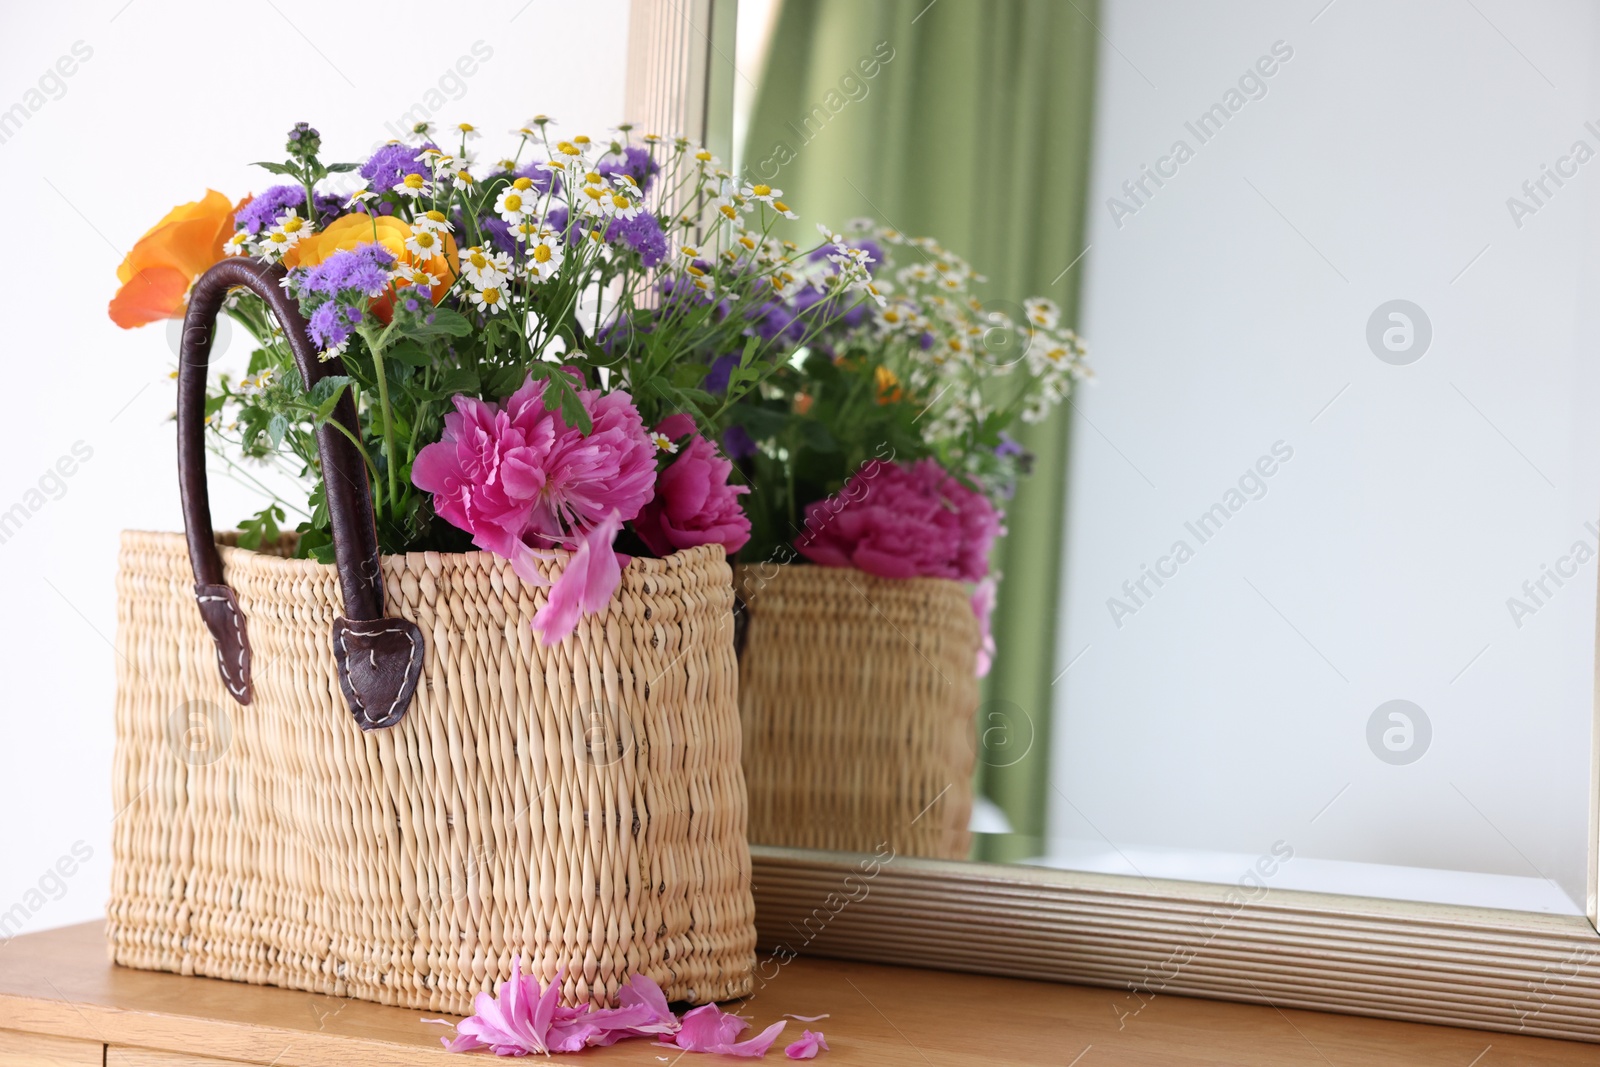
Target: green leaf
{"points": [[277, 428], [409, 353], [341, 168], [263, 526], [446, 323], [277, 168]]}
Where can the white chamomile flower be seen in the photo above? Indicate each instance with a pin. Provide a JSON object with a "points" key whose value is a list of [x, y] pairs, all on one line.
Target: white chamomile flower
{"points": [[626, 197], [831, 237], [1041, 312], [783, 209], [917, 274], [238, 244], [468, 131], [413, 185], [333, 351], [570, 152], [860, 224], [664, 443], [422, 132], [516, 201], [424, 243], [544, 255], [761, 193], [433, 222], [489, 300], [405, 272], [284, 236], [360, 197], [483, 268]]}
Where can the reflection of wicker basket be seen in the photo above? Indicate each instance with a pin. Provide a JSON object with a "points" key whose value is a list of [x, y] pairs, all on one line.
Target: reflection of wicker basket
{"points": [[857, 696], [581, 802]]}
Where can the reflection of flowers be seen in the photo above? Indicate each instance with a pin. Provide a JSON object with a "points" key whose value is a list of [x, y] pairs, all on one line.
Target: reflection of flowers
{"points": [[983, 598], [903, 521]]}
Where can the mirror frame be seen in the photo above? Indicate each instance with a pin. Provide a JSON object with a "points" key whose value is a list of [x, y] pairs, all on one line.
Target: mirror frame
{"points": [[1521, 972]]}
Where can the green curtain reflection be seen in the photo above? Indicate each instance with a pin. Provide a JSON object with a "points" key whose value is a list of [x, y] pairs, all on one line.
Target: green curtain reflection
{"points": [[967, 121]]}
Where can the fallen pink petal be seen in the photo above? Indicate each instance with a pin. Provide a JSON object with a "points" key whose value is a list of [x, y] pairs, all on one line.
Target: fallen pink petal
{"points": [[806, 1048], [710, 1029]]}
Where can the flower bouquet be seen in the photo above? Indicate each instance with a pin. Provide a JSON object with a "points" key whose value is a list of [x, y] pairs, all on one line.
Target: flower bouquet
{"points": [[489, 384], [881, 455]]}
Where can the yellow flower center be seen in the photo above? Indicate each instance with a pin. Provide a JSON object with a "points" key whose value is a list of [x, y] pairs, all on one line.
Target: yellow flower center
{"points": [[541, 253], [491, 295], [780, 205], [522, 184], [728, 211], [413, 181], [435, 216], [696, 271], [478, 260], [424, 239], [620, 201], [703, 156], [581, 139], [594, 193], [293, 225], [513, 202], [566, 148], [762, 190]]}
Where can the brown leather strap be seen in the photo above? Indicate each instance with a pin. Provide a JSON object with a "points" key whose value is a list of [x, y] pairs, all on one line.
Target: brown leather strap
{"points": [[379, 687]]}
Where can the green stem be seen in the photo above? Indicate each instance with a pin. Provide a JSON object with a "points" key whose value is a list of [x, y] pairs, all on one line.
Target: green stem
{"points": [[375, 344]]}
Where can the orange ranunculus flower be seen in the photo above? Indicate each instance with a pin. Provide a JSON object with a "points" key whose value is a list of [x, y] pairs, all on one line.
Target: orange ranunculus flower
{"points": [[354, 230], [888, 383], [157, 273]]}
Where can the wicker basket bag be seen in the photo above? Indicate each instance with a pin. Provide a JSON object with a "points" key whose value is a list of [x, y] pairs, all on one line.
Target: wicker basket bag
{"points": [[857, 696], [396, 813]]}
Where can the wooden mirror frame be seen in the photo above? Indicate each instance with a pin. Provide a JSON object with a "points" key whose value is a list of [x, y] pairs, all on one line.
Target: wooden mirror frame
{"points": [[1521, 972]]}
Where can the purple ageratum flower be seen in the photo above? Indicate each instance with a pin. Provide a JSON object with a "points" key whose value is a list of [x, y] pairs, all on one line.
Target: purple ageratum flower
{"points": [[263, 211], [716, 380], [737, 443], [362, 271], [635, 162], [1009, 446], [391, 163], [331, 323], [642, 233], [771, 319], [496, 230]]}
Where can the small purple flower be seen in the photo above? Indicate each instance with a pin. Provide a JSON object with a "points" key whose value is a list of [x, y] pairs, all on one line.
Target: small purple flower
{"points": [[716, 380], [363, 270], [642, 233], [1009, 446], [263, 212], [331, 323], [635, 162], [737, 443], [770, 319], [391, 163]]}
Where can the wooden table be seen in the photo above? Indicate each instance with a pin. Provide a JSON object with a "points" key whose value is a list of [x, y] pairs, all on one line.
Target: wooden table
{"points": [[63, 1005]]}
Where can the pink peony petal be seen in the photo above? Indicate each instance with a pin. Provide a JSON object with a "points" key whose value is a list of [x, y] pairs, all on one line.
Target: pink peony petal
{"points": [[806, 1048], [677, 427], [758, 1045], [586, 585]]}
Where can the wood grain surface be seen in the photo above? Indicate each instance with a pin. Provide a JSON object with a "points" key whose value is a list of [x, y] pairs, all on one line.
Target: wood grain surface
{"points": [[61, 1002]]}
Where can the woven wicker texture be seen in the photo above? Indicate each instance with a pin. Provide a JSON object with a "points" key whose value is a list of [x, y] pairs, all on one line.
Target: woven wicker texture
{"points": [[857, 696], [580, 805]]}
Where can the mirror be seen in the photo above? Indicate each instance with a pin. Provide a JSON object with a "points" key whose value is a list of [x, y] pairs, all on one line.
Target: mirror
{"points": [[1301, 590]]}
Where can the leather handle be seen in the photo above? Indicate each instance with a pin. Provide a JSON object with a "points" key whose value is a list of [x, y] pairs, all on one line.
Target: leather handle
{"points": [[379, 660]]}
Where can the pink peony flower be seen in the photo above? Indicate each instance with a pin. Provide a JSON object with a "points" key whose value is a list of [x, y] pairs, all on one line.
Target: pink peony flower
{"points": [[806, 1048], [903, 521], [710, 1029], [522, 482], [693, 503], [983, 598]]}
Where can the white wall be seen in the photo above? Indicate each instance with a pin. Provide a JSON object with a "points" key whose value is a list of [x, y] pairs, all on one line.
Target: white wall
{"points": [[176, 97], [1229, 312]]}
